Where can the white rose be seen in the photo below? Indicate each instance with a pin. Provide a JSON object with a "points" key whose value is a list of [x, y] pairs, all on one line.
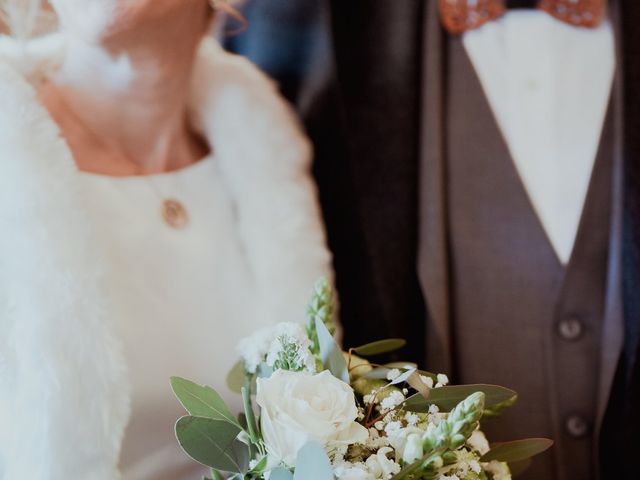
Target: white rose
{"points": [[298, 407]]}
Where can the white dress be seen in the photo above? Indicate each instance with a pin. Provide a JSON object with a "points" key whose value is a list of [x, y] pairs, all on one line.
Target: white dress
{"points": [[101, 302], [181, 300]]}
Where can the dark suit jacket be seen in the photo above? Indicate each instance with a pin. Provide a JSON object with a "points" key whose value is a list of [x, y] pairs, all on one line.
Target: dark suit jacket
{"points": [[366, 127]]}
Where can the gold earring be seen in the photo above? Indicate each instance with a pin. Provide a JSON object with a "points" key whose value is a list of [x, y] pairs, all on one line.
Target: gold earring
{"points": [[225, 7]]}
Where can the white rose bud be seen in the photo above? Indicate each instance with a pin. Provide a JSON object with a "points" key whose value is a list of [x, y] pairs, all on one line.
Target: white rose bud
{"points": [[298, 407]]}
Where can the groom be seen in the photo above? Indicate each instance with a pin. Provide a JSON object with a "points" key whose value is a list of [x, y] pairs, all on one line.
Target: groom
{"points": [[479, 169]]}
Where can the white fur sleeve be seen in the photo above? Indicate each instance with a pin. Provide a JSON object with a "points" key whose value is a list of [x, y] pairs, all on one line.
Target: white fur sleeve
{"points": [[265, 160], [63, 397]]}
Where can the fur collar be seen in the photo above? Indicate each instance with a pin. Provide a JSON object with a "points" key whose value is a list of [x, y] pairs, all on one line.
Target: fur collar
{"points": [[63, 381]]}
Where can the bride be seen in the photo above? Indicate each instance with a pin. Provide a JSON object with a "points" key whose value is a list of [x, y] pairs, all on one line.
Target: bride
{"points": [[155, 206]]}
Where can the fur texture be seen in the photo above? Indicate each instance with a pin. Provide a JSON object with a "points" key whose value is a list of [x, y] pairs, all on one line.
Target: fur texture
{"points": [[63, 381]]}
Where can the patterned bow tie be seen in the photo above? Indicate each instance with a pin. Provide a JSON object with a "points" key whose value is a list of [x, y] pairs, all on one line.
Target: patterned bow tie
{"points": [[458, 16]]}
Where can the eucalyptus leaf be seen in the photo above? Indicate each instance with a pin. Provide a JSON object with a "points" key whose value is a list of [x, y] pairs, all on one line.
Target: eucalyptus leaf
{"points": [[378, 373], [331, 355], [280, 474], [216, 475], [446, 398], [518, 468], [401, 365], [380, 347], [415, 382], [236, 377], [202, 401], [312, 463], [264, 370], [212, 443], [403, 377], [517, 450]]}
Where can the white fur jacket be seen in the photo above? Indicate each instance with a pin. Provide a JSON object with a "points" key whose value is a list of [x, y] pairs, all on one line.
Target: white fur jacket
{"points": [[64, 400]]}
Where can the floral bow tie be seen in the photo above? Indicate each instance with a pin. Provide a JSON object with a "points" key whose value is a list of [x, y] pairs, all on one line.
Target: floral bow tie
{"points": [[458, 16]]}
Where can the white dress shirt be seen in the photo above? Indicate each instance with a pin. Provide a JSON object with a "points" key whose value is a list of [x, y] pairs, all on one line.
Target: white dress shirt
{"points": [[548, 84]]}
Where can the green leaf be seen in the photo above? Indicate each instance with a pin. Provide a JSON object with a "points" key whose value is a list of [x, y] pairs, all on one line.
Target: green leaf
{"points": [[401, 365], [446, 398], [518, 468], [379, 347], [264, 370], [403, 377], [216, 475], [236, 377], [202, 401], [212, 443], [331, 355], [260, 466], [517, 450], [312, 463], [252, 426], [280, 474]]}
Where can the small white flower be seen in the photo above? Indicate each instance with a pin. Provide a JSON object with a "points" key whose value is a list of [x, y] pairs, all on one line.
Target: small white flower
{"points": [[369, 398], [381, 466], [352, 471], [475, 466], [394, 399], [411, 418], [428, 381], [442, 379], [499, 470], [393, 374], [433, 409], [392, 427], [478, 442], [379, 425], [265, 345]]}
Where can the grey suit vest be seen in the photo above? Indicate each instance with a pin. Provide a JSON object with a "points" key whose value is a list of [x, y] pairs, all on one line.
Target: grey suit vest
{"points": [[515, 315], [520, 318]]}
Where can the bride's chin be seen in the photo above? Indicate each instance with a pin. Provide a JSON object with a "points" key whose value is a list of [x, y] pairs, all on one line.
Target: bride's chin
{"points": [[97, 19]]}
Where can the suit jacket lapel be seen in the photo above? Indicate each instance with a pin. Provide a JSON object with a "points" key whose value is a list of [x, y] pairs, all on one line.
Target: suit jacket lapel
{"points": [[631, 230], [378, 64], [433, 254]]}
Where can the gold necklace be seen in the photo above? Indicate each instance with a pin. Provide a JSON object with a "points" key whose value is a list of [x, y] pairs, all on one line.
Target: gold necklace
{"points": [[173, 211]]}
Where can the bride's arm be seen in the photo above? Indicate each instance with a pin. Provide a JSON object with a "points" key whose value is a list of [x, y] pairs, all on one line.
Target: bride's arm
{"points": [[266, 159], [63, 395]]}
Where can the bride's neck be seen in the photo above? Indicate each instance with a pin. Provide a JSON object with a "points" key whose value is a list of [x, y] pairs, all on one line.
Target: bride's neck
{"points": [[122, 104]]}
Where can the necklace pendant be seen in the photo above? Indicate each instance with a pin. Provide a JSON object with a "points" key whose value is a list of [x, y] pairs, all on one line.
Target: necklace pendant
{"points": [[174, 213]]}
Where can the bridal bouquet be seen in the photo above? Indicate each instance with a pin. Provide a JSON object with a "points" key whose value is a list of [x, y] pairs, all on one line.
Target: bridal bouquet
{"points": [[325, 414]]}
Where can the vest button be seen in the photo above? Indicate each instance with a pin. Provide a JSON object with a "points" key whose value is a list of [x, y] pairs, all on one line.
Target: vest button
{"points": [[576, 426], [571, 328]]}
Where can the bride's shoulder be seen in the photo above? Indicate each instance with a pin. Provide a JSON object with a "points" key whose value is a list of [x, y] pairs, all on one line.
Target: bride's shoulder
{"points": [[233, 86], [21, 68]]}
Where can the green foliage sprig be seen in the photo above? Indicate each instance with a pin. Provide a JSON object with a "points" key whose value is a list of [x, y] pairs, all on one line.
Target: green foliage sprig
{"points": [[320, 307]]}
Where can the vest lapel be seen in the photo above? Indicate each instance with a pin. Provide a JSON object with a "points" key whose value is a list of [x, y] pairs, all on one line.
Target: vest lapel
{"points": [[377, 44]]}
